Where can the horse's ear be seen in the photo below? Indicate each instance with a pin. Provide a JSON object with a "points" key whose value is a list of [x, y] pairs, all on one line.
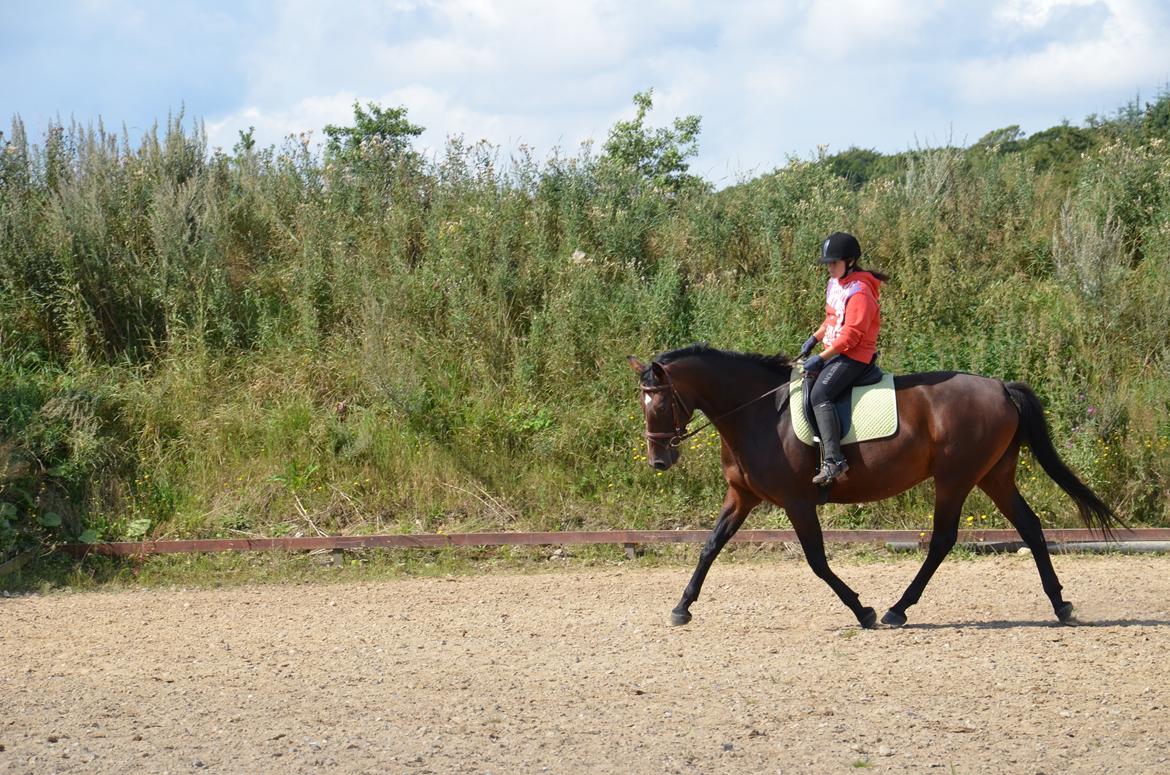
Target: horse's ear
{"points": [[636, 365], [659, 373]]}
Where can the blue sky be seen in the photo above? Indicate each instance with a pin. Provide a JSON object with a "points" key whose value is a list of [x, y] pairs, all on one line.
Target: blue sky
{"points": [[770, 79]]}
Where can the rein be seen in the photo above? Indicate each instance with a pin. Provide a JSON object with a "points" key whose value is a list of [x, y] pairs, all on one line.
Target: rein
{"points": [[680, 433]]}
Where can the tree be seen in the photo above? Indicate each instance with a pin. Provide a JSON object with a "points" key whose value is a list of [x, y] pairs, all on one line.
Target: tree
{"points": [[385, 131], [1058, 148], [659, 156], [1156, 122], [1005, 140], [859, 165]]}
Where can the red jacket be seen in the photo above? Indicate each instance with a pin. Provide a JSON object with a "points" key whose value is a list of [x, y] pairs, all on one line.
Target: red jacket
{"points": [[852, 316]]}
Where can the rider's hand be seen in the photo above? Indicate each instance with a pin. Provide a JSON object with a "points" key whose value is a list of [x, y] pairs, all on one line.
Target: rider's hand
{"points": [[808, 347], [814, 364]]}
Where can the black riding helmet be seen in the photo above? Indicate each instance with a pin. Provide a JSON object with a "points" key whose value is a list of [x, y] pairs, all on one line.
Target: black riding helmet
{"points": [[839, 246]]}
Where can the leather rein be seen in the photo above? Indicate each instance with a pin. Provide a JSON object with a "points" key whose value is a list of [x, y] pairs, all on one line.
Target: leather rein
{"points": [[680, 433]]}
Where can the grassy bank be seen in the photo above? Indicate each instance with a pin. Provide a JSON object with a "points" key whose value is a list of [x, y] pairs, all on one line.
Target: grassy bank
{"points": [[359, 338]]}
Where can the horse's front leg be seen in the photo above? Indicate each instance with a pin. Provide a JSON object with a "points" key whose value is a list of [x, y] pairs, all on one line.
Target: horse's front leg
{"points": [[803, 516], [736, 506]]}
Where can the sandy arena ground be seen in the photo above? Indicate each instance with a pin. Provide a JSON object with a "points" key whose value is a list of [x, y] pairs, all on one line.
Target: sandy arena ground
{"points": [[578, 671]]}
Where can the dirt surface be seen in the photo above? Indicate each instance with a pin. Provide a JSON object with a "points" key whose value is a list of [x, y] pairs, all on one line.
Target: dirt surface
{"points": [[578, 671]]}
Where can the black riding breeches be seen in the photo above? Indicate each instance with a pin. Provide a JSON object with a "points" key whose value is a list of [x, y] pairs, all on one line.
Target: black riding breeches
{"points": [[838, 376]]}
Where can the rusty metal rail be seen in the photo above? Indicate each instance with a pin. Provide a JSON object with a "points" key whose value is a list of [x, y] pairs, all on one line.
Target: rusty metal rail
{"points": [[14, 564], [621, 537]]}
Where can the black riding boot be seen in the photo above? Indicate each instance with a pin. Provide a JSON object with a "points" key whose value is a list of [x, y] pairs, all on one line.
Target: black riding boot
{"points": [[829, 429]]}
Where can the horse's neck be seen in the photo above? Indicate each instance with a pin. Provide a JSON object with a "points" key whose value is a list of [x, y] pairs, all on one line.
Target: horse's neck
{"points": [[716, 388]]}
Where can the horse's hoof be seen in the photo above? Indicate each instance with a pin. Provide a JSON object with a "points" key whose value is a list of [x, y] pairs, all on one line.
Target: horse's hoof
{"points": [[868, 618], [894, 619], [679, 618], [1066, 616]]}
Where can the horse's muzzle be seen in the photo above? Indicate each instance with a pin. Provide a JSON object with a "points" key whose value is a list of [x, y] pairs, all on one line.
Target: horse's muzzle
{"points": [[662, 459]]}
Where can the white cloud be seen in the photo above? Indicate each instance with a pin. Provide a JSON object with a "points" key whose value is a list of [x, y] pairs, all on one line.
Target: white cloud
{"points": [[442, 116], [271, 126], [841, 29], [1030, 14], [769, 79], [1125, 52]]}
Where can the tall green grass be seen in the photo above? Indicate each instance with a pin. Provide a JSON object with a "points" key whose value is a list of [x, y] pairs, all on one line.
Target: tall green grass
{"points": [[281, 341]]}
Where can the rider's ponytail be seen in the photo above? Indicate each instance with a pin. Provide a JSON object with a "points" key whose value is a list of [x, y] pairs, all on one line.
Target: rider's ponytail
{"points": [[881, 276]]}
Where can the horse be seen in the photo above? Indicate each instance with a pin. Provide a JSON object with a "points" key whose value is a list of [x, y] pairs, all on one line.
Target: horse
{"points": [[962, 430]]}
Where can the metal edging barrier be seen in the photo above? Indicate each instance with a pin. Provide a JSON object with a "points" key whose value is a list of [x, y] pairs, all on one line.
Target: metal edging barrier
{"points": [[622, 537], [16, 563]]}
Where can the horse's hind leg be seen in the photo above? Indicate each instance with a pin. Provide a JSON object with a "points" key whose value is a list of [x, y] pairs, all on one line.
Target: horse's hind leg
{"points": [[1000, 486], [736, 506], [948, 504], [808, 529]]}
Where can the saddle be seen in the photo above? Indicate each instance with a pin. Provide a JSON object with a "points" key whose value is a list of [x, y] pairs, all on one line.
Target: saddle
{"points": [[844, 404], [867, 411]]}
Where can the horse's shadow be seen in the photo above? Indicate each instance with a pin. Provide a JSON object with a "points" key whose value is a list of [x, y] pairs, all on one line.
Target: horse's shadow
{"points": [[1003, 624]]}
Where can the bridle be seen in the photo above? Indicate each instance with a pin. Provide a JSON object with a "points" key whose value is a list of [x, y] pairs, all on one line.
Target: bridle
{"points": [[680, 433]]}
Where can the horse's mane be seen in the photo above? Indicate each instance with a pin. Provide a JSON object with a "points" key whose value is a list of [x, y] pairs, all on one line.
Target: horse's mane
{"points": [[779, 363]]}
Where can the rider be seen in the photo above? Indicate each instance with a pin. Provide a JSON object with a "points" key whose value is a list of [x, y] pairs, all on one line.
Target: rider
{"points": [[849, 335]]}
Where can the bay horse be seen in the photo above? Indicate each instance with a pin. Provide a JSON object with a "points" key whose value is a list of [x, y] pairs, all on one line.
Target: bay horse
{"points": [[960, 429]]}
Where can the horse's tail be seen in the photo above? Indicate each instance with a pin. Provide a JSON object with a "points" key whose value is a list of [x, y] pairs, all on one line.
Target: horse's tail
{"points": [[1034, 432]]}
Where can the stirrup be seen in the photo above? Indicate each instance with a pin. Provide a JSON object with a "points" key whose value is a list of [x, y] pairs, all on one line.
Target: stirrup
{"points": [[830, 470]]}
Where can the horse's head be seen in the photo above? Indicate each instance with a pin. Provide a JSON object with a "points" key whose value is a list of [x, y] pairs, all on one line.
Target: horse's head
{"points": [[665, 412]]}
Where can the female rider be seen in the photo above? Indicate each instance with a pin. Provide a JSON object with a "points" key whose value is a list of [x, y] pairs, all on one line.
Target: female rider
{"points": [[849, 335]]}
